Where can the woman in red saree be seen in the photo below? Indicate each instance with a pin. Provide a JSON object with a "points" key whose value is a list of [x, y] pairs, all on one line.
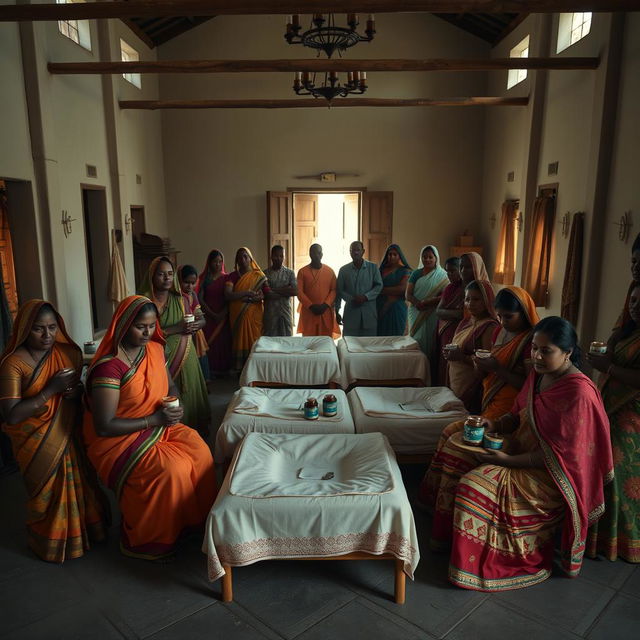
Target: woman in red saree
{"points": [[245, 289], [217, 331], [474, 332], [160, 470], [499, 517], [39, 397]]}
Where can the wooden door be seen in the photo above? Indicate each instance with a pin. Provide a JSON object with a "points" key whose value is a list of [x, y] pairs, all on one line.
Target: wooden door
{"points": [[280, 222], [377, 223], [305, 215], [137, 222]]}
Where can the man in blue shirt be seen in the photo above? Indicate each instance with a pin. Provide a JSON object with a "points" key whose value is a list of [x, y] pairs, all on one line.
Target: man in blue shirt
{"points": [[359, 284]]}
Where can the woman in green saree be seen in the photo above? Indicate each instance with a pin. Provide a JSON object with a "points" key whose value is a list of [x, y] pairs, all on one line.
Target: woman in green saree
{"points": [[162, 287]]}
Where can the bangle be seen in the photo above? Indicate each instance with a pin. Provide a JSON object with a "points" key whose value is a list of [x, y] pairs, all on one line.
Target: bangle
{"points": [[44, 399], [146, 422]]}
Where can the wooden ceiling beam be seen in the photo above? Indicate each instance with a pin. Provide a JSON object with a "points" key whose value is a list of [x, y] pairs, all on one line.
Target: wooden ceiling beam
{"points": [[323, 104], [319, 65], [158, 8]]}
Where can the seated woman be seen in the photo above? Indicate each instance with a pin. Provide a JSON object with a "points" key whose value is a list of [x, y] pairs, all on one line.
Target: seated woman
{"points": [[210, 290], [161, 285], [244, 289], [507, 368], [160, 470], [423, 294], [474, 332], [40, 401], [498, 510], [188, 279], [617, 534], [391, 304]]}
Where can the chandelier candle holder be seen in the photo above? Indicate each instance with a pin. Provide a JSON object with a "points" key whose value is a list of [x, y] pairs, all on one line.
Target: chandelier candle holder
{"points": [[305, 85], [324, 35]]}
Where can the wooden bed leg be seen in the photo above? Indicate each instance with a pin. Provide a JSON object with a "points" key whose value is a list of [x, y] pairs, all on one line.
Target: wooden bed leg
{"points": [[400, 582], [227, 584]]}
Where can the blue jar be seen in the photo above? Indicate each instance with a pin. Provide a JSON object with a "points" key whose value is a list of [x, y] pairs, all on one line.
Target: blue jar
{"points": [[311, 411], [329, 406], [473, 430]]}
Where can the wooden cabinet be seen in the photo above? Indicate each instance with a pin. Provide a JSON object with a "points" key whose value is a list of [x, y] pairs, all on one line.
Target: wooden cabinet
{"points": [[458, 251]]}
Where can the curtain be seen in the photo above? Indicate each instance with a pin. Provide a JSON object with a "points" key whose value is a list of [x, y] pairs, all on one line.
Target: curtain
{"points": [[536, 269], [9, 288], [573, 271], [505, 270], [118, 289]]}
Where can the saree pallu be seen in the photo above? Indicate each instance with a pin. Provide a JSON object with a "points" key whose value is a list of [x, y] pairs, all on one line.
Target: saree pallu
{"points": [[217, 334], [463, 379], [163, 477], [452, 299], [64, 508], [500, 522], [192, 305], [422, 324], [184, 367], [617, 534], [498, 396], [245, 317], [392, 310]]}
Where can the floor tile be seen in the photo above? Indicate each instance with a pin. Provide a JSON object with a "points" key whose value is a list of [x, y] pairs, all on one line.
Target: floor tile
{"points": [[611, 574], [632, 585], [621, 619], [572, 603], [215, 621], [289, 596], [83, 622], [490, 620], [357, 622]]}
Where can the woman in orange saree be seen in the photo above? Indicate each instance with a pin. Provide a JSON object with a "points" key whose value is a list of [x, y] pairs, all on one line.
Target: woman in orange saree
{"points": [[160, 470], [498, 510], [39, 397], [244, 289]]}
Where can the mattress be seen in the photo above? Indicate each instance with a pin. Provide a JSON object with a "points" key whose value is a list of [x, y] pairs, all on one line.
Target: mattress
{"points": [[283, 515], [412, 419], [296, 361], [382, 358], [253, 409]]}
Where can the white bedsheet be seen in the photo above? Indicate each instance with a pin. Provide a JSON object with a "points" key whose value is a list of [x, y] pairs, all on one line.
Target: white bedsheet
{"points": [[413, 430], [389, 364], [243, 530], [271, 411], [311, 361]]}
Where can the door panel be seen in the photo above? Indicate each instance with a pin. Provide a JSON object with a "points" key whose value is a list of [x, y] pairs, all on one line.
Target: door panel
{"points": [[279, 221], [305, 214], [377, 223]]}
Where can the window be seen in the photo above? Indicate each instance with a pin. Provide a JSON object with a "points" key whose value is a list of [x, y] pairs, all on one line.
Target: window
{"points": [[76, 30], [571, 28], [521, 50], [129, 54]]}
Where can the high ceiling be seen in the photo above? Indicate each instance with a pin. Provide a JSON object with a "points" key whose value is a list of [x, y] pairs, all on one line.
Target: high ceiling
{"points": [[491, 27]]}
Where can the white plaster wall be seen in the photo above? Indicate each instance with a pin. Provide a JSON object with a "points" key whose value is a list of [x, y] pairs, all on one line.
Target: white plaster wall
{"points": [[624, 194], [220, 163]]}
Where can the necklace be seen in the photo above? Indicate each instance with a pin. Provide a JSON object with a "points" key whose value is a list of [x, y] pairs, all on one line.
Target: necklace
{"points": [[126, 355]]}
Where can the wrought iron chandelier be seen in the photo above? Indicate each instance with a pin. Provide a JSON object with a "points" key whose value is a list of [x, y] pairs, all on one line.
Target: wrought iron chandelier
{"points": [[324, 35], [305, 85]]}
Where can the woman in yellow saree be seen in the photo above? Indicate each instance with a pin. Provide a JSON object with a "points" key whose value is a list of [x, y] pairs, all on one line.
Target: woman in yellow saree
{"points": [[161, 472], [161, 285], [39, 397], [244, 289]]}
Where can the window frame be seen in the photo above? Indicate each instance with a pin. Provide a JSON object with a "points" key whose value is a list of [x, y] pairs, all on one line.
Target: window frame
{"points": [[516, 76], [567, 27], [130, 54], [80, 29]]}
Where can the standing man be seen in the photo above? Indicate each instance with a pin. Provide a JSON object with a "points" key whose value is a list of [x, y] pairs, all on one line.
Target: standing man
{"points": [[278, 316], [359, 284], [317, 293]]}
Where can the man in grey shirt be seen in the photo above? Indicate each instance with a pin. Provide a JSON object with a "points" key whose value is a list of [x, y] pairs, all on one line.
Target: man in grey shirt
{"points": [[278, 315], [359, 284]]}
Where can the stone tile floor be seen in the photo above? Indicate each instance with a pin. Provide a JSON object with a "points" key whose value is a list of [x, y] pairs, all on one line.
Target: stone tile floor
{"points": [[105, 595]]}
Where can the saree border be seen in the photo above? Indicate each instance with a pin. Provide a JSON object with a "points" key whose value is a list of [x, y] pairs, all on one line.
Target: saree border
{"points": [[467, 580]]}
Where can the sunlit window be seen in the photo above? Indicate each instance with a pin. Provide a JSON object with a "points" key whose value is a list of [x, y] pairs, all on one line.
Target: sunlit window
{"points": [[521, 50], [76, 30], [571, 28], [129, 54]]}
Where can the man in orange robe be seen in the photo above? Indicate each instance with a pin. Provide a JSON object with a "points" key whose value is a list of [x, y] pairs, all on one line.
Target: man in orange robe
{"points": [[317, 293]]}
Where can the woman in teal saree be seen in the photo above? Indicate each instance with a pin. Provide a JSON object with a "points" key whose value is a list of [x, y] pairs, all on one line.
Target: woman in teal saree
{"points": [[391, 303]]}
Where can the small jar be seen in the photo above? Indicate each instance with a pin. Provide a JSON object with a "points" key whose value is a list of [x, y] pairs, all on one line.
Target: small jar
{"points": [[170, 402], [311, 411], [189, 317], [329, 406], [492, 440], [89, 347], [473, 430], [598, 347]]}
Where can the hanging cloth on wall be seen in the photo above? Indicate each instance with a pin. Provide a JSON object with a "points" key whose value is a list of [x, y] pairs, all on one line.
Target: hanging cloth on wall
{"points": [[505, 269], [9, 289], [573, 271], [118, 289]]}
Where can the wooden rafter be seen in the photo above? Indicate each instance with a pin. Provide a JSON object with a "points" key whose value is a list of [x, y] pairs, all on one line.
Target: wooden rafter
{"points": [[322, 104], [157, 8], [319, 65]]}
